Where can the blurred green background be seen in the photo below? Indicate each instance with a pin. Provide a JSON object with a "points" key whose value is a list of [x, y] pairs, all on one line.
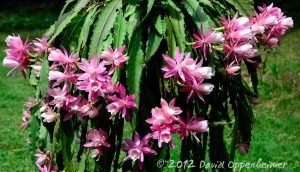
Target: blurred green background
{"points": [[277, 117]]}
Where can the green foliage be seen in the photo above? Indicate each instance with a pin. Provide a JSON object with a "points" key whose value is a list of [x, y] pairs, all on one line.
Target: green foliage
{"points": [[134, 69], [244, 7], [120, 30], [196, 11], [44, 77], [89, 20], [148, 28], [66, 18], [103, 26]]}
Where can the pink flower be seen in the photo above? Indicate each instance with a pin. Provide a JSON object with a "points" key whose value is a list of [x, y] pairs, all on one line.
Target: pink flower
{"points": [[25, 119], [46, 168], [170, 108], [30, 102], [97, 140], [165, 115], [92, 70], [50, 116], [242, 34], [62, 57], [37, 68], [61, 97], [237, 28], [76, 107], [160, 117], [164, 134], [174, 67], [194, 125], [60, 77], [239, 49], [114, 108], [242, 21], [200, 72], [198, 88], [16, 45], [93, 87], [273, 19], [204, 41], [41, 45], [114, 58], [137, 148], [17, 56], [123, 103], [43, 158], [232, 69], [187, 69], [89, 110], [286, 22], [109, 87]]}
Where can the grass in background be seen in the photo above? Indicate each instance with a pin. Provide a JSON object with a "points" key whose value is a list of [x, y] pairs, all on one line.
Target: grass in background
{"points": [[276, 126], [26, 17], [15, 152]]}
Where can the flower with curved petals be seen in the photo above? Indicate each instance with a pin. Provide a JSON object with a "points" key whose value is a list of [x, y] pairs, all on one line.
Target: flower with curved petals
{"points": [[62, 57], [92, 70], [164, 134], [49, 115], [123, 103], [114, 58], [97, 140], [232, 68], [204, 41], [93, 87], [43, 158], [194, 125], [17, 56], [75, 107], [137, 148], [198, 88], [174, 67], [61, 97]]}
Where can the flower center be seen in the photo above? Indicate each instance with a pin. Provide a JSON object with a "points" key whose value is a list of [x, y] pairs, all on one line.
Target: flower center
{"points": [[59, 98], [170, 111], [91, 70], [135, 154], [75, 108]]}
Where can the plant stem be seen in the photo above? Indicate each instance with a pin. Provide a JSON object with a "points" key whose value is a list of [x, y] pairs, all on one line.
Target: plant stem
{"points": [[234, 141]]}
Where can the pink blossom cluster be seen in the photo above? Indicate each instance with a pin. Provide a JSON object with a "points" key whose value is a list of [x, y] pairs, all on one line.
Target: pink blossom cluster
{"points": [[242, 36], [66, 71], [97, 139], [90, 77], [166, 121], [18, 54], [83, 87], [77, 86], [191, 74]]}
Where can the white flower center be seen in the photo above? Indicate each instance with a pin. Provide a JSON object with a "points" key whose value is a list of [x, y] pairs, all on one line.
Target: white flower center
{"points": [[91, 70], [135, 154]]}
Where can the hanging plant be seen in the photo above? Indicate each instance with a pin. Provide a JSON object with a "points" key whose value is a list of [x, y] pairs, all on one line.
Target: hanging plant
{"points": [[125, 85]]}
